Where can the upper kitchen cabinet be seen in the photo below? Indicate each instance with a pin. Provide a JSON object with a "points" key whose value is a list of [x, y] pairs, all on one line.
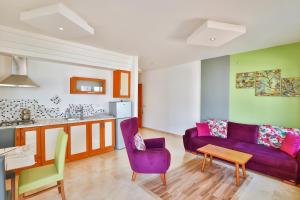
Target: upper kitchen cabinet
{"points": [[121, 84], [81, 85]]}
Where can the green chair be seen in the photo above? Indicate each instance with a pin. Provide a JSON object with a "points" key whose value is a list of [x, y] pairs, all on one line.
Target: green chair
{"points": [[35, 178]]}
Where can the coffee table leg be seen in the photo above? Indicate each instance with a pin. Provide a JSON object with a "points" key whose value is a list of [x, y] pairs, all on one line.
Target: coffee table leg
{"points": [[203, 163], [244, 170], [211, 159], [237, 173]]}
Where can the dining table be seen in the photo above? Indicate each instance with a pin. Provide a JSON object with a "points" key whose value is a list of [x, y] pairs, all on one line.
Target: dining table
{"points": [[16, 158]]}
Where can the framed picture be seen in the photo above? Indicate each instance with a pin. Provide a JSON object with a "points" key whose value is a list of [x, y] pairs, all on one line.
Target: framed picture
{"points": [[245, 80], [290, 87], [268, 83]]}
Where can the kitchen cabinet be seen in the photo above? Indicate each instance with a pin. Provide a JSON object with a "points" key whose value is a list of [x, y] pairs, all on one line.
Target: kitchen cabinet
{"points": [[102, 136], [85, 139], [96, 137], [78, 141], [31, 136], [109, 135], [82, 85], [122, 80], [48, 141]]}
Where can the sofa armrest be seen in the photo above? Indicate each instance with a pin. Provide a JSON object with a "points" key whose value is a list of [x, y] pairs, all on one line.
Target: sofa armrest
{"points": [[155, 143], [298, 156], [192, 132], [298, 161], [189, 134]]}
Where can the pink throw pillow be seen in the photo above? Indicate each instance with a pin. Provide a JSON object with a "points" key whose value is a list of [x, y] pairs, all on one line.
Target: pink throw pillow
{"points": [[291, 145], [203, 129]]}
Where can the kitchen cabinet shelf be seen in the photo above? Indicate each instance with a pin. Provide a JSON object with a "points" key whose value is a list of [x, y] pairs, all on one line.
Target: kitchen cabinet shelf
{"points": [[82, 85]]}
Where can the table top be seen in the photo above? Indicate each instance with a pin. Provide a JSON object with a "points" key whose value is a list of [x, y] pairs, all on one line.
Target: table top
{"points": [[225, 154], [18, 157]]}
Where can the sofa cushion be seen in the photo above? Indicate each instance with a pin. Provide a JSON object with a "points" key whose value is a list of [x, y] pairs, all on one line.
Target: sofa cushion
{"points": [[268, 156], [243, 132], [218, 128], [198, 142], [273, 136], [203, 129], [291, 145], [139, 142]]}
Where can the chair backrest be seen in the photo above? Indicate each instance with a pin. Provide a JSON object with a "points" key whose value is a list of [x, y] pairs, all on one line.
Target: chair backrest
{"points": [[129, 128], [7, 137], [2, 178], [60, 151]]}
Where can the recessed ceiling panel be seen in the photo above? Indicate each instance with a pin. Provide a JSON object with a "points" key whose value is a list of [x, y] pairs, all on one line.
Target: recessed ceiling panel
{"points": [[213, 33], [58, 20]]}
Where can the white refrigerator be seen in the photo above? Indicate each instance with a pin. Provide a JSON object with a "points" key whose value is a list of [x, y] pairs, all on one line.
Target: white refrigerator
{"points": [[121, 110]]}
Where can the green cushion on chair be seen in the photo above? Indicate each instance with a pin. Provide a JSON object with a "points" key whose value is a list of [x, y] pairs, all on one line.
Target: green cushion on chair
{"points": [[35, 178]]}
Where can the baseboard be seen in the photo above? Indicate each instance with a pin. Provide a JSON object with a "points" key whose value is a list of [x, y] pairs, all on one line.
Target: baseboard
{"points": [[160, 131]]}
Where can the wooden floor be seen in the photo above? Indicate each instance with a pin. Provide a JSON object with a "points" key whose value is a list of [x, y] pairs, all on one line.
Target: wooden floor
{"points": [[108, 176]]}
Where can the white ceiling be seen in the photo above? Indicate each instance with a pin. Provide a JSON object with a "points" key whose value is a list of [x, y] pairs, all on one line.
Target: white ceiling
{"points": [[156, 30]]}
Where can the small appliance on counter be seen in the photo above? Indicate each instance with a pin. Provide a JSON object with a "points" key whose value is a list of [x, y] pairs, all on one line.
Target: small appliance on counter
{"points": [[25, 114], [121, 110]]}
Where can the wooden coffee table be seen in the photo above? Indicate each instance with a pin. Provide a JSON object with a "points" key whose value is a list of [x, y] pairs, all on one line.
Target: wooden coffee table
{"points": [[236, 157]]}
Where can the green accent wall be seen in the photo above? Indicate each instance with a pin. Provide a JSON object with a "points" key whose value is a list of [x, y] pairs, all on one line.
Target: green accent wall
{"points": [[245, 107]]}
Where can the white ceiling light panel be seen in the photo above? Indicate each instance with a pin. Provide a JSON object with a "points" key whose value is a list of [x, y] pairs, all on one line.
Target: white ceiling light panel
{"points": [[58, 20], [215, 34]]}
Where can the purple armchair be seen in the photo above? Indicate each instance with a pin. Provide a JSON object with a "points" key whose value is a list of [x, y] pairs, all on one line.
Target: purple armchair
{"points": [[154, 160]]}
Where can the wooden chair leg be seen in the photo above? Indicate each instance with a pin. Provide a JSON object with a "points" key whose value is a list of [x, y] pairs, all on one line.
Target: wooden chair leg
{"points": [[133, 177], [58, 187], [13, 188], [21, 197], [62, 189], [163, 179]]}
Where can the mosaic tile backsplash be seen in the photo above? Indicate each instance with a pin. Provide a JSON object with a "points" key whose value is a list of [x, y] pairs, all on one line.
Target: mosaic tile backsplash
{"points": [[10, 109]]}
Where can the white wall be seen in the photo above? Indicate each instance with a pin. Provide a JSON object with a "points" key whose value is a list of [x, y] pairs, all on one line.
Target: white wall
{"points": [[171, 97], [54, 79], [54, 74]]}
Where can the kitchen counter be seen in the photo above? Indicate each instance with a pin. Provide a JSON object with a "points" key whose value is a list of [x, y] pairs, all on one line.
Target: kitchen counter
{"points": [[47, 122]]}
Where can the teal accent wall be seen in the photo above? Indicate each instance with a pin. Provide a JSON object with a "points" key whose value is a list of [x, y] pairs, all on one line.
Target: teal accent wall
{"points": [[245, 107]]}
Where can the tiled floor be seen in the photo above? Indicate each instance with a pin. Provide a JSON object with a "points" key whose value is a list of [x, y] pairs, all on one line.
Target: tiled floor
{"points": [[108, 176]]}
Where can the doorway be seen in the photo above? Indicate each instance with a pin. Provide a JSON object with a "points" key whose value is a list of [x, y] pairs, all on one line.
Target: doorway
{"points": [[140, 105]]}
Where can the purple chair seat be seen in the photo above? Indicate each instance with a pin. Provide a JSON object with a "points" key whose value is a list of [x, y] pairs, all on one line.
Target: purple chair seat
{"points": [[152, 161]]}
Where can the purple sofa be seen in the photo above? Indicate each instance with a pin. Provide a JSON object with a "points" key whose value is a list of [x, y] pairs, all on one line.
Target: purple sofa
{"points": [[154, 160], [243, 137]]}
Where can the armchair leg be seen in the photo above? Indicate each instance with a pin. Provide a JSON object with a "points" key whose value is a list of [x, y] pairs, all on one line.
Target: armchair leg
{"points": [[163, 179], [133, 177]]}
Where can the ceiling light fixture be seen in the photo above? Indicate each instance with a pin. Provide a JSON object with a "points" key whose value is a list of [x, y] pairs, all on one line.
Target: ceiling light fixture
{"points": [[61, 28], [212, 39]]}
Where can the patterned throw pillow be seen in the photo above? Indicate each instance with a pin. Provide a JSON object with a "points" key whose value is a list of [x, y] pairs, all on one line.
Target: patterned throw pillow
{"points": [[139, 142], [218, 128], [274, 135]]}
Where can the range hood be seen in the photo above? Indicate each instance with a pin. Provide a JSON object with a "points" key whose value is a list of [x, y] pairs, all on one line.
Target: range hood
{"points": [[18, 77]]}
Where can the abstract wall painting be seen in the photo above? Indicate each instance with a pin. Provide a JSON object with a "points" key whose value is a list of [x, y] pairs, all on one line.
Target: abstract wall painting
{"points": [[268, 83], [245, 80], [290, 87]]}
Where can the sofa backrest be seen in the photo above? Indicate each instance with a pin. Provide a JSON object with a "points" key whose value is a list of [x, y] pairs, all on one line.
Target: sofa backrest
{"points": [[243, 132]]}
